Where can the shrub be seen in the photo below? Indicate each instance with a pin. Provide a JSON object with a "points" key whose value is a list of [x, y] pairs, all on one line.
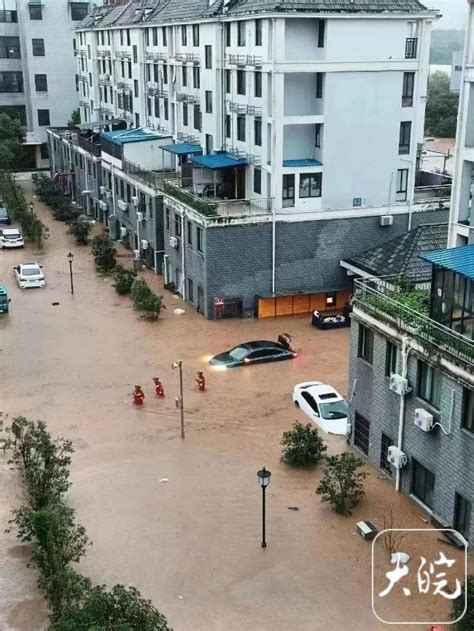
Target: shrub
{"points": [[342, 483], [302, 446], [81, 228], [123, 280], [104, 253], [32, 227], [147, 301]]}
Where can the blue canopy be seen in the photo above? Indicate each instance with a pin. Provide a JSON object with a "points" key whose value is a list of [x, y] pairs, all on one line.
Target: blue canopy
{"points": [[221, 160], [304, 162], [459, 260], [183, 149]]}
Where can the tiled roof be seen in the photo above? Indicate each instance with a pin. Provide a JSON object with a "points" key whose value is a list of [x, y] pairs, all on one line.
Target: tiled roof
{"points": [[401, 256], [166, 11], [460, 260]]}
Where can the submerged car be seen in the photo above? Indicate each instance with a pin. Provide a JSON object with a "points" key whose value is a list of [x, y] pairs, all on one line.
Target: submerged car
{"points": [[4, 217], [29, 275], [324, 406], [256, 352], [4, 300], [10, 238]]}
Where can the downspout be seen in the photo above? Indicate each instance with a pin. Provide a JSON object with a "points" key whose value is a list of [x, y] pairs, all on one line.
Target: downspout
{"points": [[183, 240], [272, 202], [401, 416]]}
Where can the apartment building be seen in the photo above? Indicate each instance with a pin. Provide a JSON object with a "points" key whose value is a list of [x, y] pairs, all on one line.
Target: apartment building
{"points": [[292, 137], [462, 215], [38, 68]]}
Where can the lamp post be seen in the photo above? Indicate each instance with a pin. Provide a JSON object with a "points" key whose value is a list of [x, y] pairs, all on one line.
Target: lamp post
{"points": [[32, 207], [70, 258], [179, 399], [264, 481]]}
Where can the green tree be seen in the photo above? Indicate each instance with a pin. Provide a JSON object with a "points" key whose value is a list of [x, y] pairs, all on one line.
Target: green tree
{"points": [[147, 301], [342, 482], [80, 228], [11, 143], [467, 622], [104, 253], [75, 118], [302, 446], [123, 280], [120, 609], [441, 107]]}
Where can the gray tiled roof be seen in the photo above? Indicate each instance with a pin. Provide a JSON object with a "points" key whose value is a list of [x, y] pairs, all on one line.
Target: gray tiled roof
{"points": [[165, 11], [400, 256]]}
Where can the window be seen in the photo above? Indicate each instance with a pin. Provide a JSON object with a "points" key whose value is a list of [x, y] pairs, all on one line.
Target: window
{"points": [[366, 343], [258, 84], [38, 47], [467, 418], [257, 181], [429, 383], [228, 126], [392, 359], [177, 225], [11, 82], [310, 184], [196, 77], [209, 144], [288, 194], [197, 118], [228, 81], [190, 295], [79, 10], [44, 152], [257, 131], [185, 115], [154, 34], [195, 34], [361, 433], [258, 32], [184, 36], [43, 118], [423, 482], [317, 134], [405, 137], [41, 82], [411, 46], [164, 34], [402, 185], [36, 12], [241, 128], [189, 230], [208, 57], [208, 96], [184, 76], [199, 243], [10, 48], [321, 33], [156, 73], [166, 109], [241, 33], [319, 85], [408, 87], [167, 219], [165, 73], [127, 31], [228, 34], [8, 17], [135, 87], [384, 463], [462, 515], [241, 82], [135, 54]]}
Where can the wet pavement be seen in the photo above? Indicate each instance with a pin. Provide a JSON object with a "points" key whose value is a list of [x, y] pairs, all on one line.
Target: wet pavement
{"points": [[180, 520]]}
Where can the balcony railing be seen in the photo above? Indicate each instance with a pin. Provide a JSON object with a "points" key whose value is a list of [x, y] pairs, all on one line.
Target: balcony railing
{"points": [[387, 298], [154, 179], [440, 192], [89, 146]]}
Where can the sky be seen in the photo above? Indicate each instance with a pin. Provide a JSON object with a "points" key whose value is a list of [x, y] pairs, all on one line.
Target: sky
{"points": [[454, 12]]}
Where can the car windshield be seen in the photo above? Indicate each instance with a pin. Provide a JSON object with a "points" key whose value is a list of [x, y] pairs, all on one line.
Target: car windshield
{"points": [[239, 352], [3, 212], [31, 271], [3, 300], [12, 236], [335, 410]]}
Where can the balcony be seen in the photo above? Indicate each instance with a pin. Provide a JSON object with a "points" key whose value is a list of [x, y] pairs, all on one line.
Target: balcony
{"points": [[89, 146], [405, 305], [426, 194], [154, 179]]}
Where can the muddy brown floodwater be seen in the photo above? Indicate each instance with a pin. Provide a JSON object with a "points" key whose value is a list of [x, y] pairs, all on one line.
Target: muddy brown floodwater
{"points": [[190, 543]]}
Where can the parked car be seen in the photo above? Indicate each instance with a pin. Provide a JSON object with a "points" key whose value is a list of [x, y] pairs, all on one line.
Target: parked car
{"points": [[29, 275], [256, 352], [4, 300], [10, 238], [324, 406], [4, 217]]}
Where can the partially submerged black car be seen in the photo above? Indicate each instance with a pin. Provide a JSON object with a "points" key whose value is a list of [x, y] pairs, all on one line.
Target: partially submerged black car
{"points": [[255, 353], [4, 217]]}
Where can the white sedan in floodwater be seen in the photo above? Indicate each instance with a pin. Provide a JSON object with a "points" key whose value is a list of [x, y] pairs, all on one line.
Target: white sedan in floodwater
{"points": [[324, 406]]}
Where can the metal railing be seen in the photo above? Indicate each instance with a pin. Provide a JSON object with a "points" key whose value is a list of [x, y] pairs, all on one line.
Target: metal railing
{"points": [[382, 299], [439, 192], [90, 147], [154, 179]]}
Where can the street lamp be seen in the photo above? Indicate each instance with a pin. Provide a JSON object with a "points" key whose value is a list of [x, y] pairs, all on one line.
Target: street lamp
{"points": [[264, 481], [179, 399], [32, 207], [70, 258]]}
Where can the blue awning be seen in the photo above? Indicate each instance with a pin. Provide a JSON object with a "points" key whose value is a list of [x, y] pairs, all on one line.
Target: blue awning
{"points": [[459, 260], [183, 149], [302, 163], [219, 161]]}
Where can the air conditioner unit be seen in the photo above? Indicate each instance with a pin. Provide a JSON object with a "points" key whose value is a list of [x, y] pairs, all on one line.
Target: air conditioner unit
{"points": [[103, 205], [140, 216], [398, 384], [386, 220], [423, 420], [122, 205], [102, 189], [123, 232], [144, 244], [135, 201], [108, 194], [174, 242], [85, 192], [396, 457]]}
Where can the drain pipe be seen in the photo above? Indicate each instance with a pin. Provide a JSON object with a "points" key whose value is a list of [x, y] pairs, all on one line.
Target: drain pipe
{"points": [[401, 417], [183, 241], [273, 250]]}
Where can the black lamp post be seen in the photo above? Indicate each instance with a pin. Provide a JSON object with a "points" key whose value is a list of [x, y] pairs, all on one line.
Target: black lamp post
{"points": [[264, 481], [32, 207], [70, 258], [179, 400]]}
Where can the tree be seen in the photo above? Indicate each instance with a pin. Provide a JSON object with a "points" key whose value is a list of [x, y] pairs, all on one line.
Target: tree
{"points": [[342, 483], [80, 228], [147, 301], [104, 253], [467, 622], [11, 143], [302, 446], [123, 280], [441, 107], [75, 118], [120, 609]]}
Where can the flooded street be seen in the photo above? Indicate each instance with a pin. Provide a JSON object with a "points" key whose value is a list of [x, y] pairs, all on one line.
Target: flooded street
{"points": [[180, 520]]}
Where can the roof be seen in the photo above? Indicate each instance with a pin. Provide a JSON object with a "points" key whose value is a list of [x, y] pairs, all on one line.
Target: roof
{"points": [[8, 231], [126, 136], [169, 11], [221, 160], [3, 290], [183, 149], [302, 163], [401, 256], [459, 260]]}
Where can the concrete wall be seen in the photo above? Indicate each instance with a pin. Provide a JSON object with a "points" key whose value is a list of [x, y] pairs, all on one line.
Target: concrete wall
{"points": [[149, 155], [301, 40]]}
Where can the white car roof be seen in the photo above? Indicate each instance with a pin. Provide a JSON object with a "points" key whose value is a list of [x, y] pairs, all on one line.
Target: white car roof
{"points": [[10, 231], [316, 389], [29, 265]]}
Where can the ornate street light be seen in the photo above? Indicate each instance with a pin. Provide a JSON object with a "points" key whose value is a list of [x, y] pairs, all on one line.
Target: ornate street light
{"points": [[264, 480], [70, 258]]}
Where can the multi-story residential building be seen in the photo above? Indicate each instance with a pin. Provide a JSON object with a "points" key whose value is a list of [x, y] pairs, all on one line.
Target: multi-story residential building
{"points": [[462, 213], [411, 372], [292, 131], [38, 68]]}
